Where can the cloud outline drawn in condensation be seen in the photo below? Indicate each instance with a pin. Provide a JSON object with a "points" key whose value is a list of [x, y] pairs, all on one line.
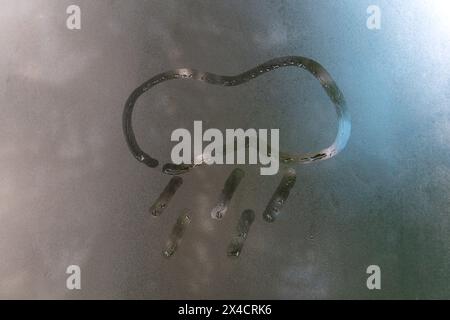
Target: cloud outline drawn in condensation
{"points": [[313, 67]]}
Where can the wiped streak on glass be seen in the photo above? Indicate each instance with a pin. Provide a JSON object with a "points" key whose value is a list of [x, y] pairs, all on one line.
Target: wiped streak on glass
{"points": [[243, 227], [177, 234], [164, 198], [319, 72], [228, 190], [280, 196]]}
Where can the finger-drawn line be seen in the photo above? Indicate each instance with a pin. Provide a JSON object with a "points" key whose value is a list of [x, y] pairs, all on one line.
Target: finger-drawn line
{"points": [[243, 227], [319, 72], [229, 188], [280, 196], [164, 198], [177, 234]]}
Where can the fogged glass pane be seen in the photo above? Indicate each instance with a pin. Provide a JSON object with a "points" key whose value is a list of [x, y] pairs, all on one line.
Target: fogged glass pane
{"points": [[72, 193]]}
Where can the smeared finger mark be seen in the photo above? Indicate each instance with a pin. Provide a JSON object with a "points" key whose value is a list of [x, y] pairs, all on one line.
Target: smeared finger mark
{"points": [[229, 188], [164, 198], [243, 227], [280, 196], [177, 234]]}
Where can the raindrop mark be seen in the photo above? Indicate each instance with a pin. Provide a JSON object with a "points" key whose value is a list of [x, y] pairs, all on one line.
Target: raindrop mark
{"points": [[164, 198], [243, 227], [280, 196], [177, 234], [312, 230], [228, 190]]}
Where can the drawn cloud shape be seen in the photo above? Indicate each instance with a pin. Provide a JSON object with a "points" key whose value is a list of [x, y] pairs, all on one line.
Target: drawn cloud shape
{"points": [[319, 72]]}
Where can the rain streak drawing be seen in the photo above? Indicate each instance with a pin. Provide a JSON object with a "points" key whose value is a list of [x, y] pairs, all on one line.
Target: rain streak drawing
{"points": [[275, 204]]}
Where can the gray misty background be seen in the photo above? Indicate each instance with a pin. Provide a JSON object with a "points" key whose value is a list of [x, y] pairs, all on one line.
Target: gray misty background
{"points": [[71, 193]]}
